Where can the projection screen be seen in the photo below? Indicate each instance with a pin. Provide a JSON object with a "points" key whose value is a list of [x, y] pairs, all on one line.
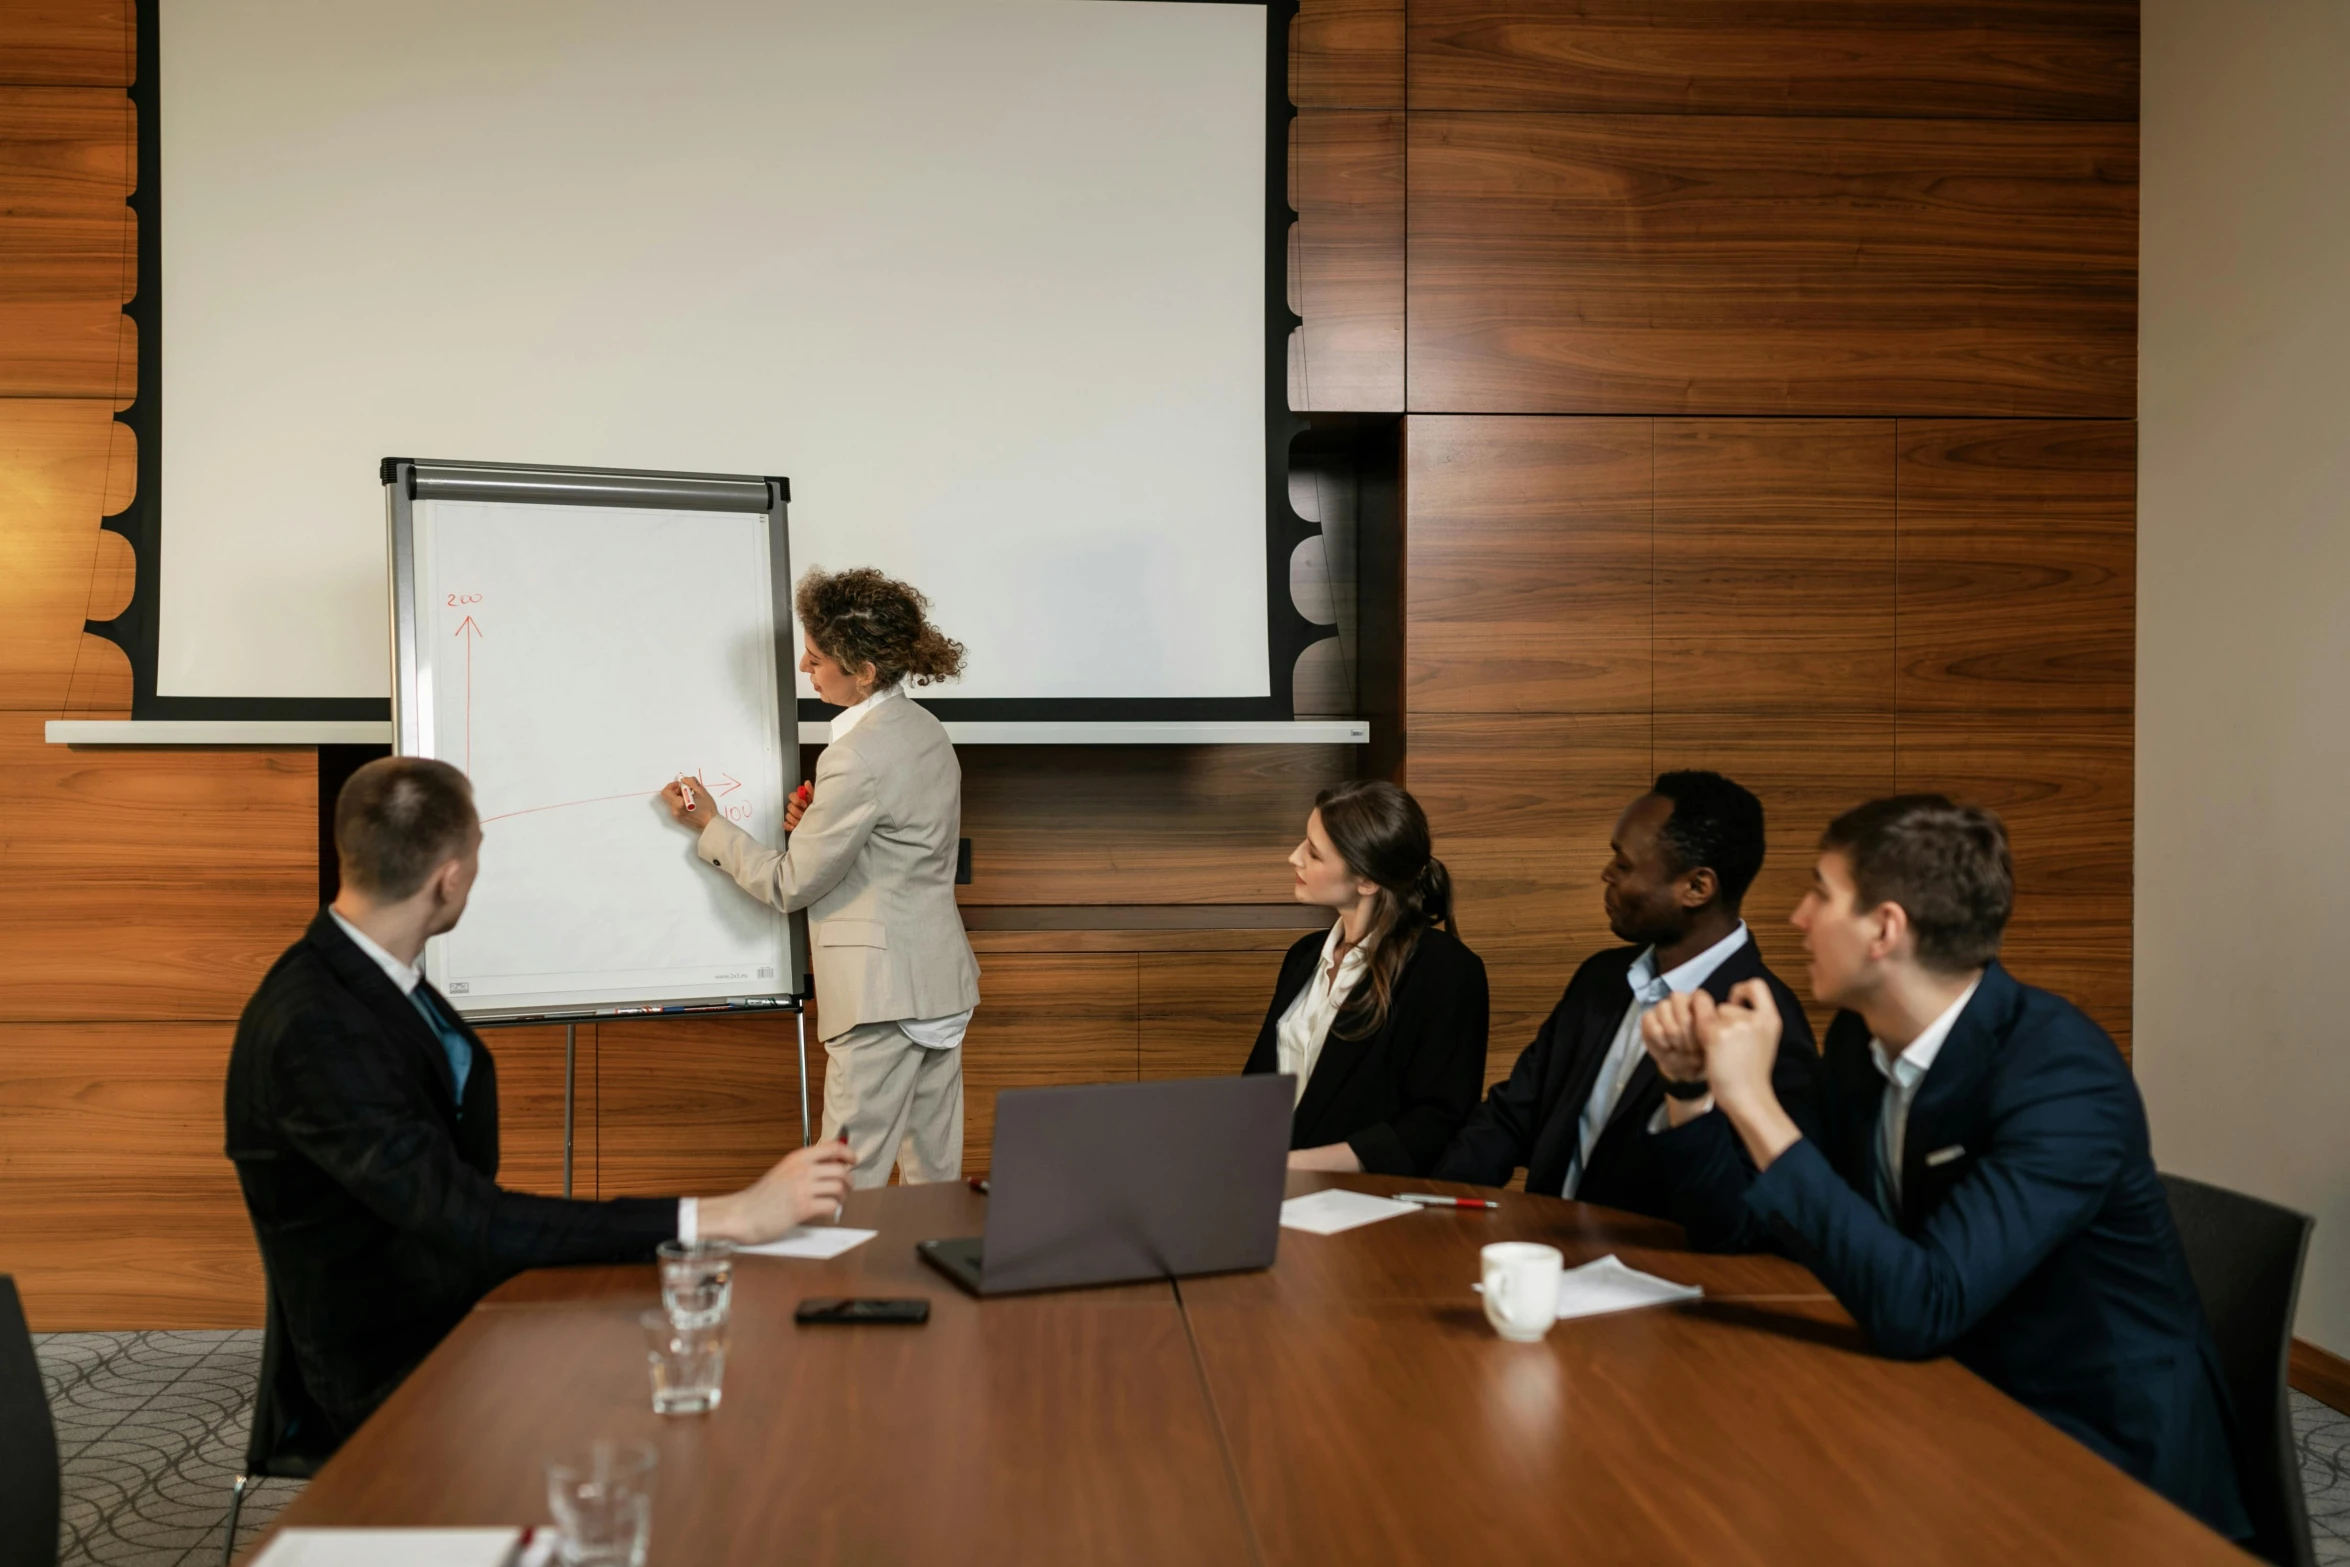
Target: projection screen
{"points": [[987, 280]]}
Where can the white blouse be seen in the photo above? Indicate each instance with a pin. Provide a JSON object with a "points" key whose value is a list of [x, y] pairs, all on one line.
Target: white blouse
{"points": [[1306, 1024]]}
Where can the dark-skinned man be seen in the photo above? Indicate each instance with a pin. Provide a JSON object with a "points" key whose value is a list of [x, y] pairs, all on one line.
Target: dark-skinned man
{"points": [[1585, 1111]]}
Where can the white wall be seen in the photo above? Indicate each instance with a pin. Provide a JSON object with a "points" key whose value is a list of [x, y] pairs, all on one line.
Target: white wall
{"points": [[2243, 833]]}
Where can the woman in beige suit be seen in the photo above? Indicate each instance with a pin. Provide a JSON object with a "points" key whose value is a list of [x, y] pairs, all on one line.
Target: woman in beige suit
{"points": [[872, 859]]}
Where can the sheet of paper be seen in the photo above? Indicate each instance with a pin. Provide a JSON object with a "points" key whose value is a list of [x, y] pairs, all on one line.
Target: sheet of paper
{"points": [[816, 1241], [1332, 1209], [1607, 1285], [391, 1548]]}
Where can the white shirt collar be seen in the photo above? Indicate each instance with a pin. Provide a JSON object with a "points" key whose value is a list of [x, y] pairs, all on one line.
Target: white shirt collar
{"points": [[1354, 958], [851, 717], [1680, 981], [396, 971], [1905, 1069]]}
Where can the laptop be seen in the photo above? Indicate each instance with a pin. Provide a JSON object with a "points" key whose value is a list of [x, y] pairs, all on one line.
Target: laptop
{"points": [[1119, 1181]]}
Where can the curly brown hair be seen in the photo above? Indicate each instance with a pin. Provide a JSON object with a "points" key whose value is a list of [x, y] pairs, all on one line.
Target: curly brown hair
{"points": [[859, 617]]}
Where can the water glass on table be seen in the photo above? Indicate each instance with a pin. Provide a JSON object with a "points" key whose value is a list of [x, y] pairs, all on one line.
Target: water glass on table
{"points": [[602, 1499], [697, 1281], [688, 1363]]}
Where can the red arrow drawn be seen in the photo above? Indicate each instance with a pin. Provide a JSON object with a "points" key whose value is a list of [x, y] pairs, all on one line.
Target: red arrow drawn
{"points": [[464, 626], [732, 783]]}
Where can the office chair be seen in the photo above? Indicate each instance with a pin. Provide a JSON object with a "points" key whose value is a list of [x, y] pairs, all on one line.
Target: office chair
{"points": [[290, 1438], [28, 1446], [2246, 1256]]}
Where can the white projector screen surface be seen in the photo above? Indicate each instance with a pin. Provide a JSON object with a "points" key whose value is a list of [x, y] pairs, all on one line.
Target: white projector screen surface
{"points": [[984, 278], [533, 625]]}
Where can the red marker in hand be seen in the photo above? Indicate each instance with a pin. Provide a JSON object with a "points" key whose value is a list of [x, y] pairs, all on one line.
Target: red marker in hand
{"points": [[805, 794]]}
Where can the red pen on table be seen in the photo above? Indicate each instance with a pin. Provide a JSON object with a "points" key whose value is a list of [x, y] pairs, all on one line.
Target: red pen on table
{"points": [[1426, 1200]]}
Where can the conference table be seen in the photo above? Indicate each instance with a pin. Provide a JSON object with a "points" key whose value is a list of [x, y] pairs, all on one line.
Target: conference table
{"points": [[1348, 1405]]}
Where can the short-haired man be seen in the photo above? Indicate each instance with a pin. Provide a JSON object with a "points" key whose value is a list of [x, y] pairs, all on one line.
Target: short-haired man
{"points": [[1980, 1183], [1582, 1109], [363, 1119]]}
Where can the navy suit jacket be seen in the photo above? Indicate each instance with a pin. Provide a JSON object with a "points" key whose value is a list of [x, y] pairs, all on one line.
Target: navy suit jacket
{"points": [[1533, 1117], [2035, 1244], [373, 1192]]}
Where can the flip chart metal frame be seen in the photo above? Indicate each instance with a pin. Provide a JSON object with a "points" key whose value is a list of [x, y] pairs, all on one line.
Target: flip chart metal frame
{"points": [[407, 480]]}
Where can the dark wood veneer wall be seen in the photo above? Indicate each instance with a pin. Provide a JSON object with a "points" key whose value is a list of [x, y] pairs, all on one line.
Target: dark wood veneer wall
{"points": [[1765, 372]]}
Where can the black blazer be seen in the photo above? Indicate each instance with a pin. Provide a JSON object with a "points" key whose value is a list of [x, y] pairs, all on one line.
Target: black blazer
{"points": [[1397, 1096], [375, 1201], [2034, 1241], [1531, 1118]]}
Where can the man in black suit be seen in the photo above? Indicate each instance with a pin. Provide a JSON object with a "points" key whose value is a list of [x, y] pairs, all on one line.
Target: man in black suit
{"points": [[363, 1120], [1973, 1177], [1584, 1108]]}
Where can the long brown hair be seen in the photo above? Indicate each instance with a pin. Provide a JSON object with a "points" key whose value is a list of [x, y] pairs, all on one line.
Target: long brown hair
{"points": [[859, 617], [1382, 835]]}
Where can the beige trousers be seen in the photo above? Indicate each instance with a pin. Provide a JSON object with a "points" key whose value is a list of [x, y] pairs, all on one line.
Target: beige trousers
{"points": [[899, 1103]]}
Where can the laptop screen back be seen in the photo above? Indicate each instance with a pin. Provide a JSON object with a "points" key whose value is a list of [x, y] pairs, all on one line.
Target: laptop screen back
{"points": [[1114, 1181]]}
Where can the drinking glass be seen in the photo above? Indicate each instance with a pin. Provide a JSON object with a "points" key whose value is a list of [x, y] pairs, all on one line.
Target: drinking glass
{"points": [[688, 1362], [602, 1499], [697, 1281]]}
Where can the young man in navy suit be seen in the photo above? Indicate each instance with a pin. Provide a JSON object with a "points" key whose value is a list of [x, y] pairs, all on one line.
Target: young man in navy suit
{"points": [[1974, 1179]]}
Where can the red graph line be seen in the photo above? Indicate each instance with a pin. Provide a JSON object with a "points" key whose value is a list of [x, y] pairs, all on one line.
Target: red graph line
{"points": [[533, 810]]}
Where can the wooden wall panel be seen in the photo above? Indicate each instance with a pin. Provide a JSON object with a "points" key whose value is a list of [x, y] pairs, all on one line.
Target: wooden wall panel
{"points": [[1138, 824], [530, 1109], [2018, 566], [2063, 785], [69, 247], [121, 1210], [694, 1107], [1529, 565], [63, 464], [1047, 1018], [1200, 1012], [1775, 567], [1695, 265], [68, 43], [148, 884], [2022, 59], [1522, 807], [1347, 54], [1346, 281]]}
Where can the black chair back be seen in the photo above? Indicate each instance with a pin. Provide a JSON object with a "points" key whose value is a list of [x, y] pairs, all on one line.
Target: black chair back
{"points": [[290, 1437], [2246, 1256], [28, 1445]]}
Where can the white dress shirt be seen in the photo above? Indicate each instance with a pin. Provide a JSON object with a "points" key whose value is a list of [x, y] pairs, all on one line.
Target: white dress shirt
{"points": [[1624, 1054], [931, 1033], [850, 717], [1903, 1073], [1306, 1025], [406, 978]]}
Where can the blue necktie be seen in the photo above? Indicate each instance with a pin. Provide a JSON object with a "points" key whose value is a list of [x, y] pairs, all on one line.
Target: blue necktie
{"points": [[459, 1048]]}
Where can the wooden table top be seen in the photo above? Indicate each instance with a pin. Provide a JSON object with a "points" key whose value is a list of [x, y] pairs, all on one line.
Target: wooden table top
{"points": [[1348, 1405]]}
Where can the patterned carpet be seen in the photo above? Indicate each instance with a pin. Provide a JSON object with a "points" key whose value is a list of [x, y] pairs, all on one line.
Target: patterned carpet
{"points": [[151, 1428]]}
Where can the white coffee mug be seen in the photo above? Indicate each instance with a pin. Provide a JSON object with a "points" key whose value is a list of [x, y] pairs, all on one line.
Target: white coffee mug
{"points": [[1522, 1289]]}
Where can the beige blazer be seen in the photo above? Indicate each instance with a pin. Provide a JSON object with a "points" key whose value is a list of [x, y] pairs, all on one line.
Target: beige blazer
{"points": [[873, 863]]}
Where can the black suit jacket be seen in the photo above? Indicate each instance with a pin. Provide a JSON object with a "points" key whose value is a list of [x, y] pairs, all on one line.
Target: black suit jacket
{"points": [[1532, 1117], [2034, 1242], [1397, 1095], [375, 1201]]}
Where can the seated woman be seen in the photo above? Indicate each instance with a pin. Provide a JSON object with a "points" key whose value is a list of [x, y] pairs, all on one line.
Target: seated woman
{"points": [[1382, 1021]]}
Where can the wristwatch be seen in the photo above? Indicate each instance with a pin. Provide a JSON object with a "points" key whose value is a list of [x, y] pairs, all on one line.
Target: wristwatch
{"points": [[1694, 1088]]}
